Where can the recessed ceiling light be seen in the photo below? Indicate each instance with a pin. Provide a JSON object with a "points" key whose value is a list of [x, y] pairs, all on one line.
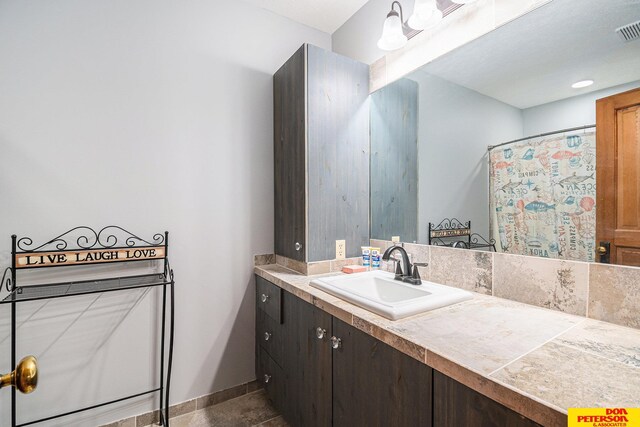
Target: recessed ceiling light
{"points": [[582, 83]]}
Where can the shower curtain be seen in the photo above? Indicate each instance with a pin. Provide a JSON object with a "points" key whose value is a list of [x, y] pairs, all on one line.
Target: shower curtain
{"points": [[543, 194]]}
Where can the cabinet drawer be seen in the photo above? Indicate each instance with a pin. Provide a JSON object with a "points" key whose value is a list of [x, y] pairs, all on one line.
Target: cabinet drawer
{"points": [[269, 299], [269, 335], [271, 376]]}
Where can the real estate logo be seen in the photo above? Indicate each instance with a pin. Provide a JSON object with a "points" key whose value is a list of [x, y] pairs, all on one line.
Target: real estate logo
{"points": [[604, 417]]}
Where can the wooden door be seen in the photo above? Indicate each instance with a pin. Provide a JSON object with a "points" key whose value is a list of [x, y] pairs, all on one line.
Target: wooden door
{"points": [[306, 363], [289, 146], [377, 385], [618, 178]]}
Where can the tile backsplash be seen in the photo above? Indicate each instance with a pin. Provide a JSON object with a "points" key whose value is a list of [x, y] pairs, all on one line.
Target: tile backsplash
{"points": [[470, 270], [614, 294], [549, 283], [311, 268], [600, 291]]}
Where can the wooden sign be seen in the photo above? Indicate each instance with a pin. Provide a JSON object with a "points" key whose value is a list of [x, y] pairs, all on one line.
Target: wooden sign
{"points": [[87, 256], [450, 233]]}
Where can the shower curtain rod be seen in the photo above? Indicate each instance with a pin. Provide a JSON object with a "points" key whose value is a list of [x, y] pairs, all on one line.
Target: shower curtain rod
{"points": [[491, 147]]}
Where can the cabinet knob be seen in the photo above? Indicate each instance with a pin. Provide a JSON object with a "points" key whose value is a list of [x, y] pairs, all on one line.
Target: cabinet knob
{"points": [[267, 335], [267, 378], [298, 246], [336, 343], [264, 297], [320, 333]]}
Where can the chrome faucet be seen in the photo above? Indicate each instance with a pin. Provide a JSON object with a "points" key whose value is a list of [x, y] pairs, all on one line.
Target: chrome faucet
{"points": [[405, 273]]}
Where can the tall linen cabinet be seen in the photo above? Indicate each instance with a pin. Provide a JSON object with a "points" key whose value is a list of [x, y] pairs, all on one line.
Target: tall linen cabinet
{"points": [[321, 153]]}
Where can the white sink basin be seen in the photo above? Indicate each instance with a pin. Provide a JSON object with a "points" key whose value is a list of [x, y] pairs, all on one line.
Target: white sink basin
{"points": [[378, 292]]}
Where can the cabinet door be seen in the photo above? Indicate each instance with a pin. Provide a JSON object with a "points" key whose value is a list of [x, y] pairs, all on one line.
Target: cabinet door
{"points": [[268, 347], [338, 153], [289, 157], [375, 384], [307, 364], [457, 405], [272, 378]]}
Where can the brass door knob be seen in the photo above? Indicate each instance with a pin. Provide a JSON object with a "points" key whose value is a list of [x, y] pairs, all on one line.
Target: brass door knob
{"points": [[24, 377], [602, 250]]}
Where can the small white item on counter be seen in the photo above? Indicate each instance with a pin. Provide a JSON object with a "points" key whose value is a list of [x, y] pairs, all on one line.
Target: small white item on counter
{"points": [[366, 256], [375, 257]]}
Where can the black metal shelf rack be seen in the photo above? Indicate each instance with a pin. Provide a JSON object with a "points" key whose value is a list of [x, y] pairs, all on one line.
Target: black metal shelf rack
{"points": [[84, 246], [455, 234]]}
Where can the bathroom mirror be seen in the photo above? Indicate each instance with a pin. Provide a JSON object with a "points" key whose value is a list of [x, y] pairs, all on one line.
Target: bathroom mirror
{"points": [[534, 192]]}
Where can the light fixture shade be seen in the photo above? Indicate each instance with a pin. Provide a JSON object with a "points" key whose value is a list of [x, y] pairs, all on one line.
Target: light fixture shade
{"points": [[582, 83], [392, 36], [425, 15]]}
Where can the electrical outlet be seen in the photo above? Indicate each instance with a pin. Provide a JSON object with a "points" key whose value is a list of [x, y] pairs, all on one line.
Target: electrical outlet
{"points": [[395, 239], [341, 250]]}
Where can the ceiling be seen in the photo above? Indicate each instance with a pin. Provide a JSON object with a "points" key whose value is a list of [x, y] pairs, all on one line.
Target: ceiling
{"points": [[535, 59], [324, 15]]}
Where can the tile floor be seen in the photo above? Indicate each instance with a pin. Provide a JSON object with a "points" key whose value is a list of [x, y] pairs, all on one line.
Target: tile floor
{"points": [[250, 410]]}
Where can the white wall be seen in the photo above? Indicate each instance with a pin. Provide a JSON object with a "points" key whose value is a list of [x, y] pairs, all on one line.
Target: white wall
{"points": [[152, 115], [567, 113], [357, 38], [455, 126]]}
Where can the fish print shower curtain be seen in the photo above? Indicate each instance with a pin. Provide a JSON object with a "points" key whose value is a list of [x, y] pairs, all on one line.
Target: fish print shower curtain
{"points": [[543, 196]]}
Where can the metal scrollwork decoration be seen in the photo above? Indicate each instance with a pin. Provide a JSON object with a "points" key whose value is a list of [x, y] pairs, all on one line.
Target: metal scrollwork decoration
{"points": [[456, 244], [6, 280], [452, 224], [108, 237], [478, 241]]}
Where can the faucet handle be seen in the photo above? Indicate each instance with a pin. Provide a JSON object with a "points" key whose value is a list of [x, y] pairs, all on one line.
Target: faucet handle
{"points": [[416, 273], [398, 269]]}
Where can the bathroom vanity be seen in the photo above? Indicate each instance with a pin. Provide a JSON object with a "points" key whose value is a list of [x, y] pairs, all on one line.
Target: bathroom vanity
{"points": [[320, 370], [484, 361]]}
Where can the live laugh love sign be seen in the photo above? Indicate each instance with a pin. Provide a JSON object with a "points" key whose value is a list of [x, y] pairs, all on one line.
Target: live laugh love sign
{"points": [[88, 256]]}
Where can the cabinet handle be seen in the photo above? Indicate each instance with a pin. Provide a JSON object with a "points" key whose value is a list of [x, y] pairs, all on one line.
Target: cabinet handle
{"points": [[298, 246], [267, 378], [267, 335], [264, 297], [320, 333], [336, 343]]}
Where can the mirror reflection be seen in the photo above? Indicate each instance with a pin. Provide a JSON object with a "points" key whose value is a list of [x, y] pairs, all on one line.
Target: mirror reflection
{"points": [[493, 146]]}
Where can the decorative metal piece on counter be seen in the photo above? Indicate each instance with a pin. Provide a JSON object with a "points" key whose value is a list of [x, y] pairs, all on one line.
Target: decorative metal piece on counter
{"points": [[24, 377], [107, 237], [455, 234], [83, 246]]}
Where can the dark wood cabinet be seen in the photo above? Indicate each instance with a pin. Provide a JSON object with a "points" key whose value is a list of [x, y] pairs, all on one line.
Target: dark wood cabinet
{"points": [[270, 340], [307, 363], [314, 380], [289, 110], [455, 404], [321, 154], [314, 384], [377, 385]]}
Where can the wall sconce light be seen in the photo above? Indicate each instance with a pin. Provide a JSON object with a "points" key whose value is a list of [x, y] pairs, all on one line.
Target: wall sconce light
{"points": [[425, 15], [393, 36], [394, 32]]}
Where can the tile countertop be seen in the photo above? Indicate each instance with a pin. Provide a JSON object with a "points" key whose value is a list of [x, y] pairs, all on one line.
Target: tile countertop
{"points": [[535, 361]]}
